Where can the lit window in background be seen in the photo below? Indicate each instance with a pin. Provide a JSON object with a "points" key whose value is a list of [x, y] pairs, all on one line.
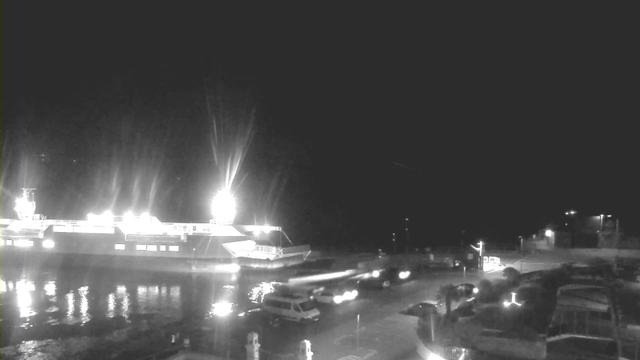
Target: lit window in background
{"points": [[152, 247], [1, 242], [163, 247], [119, 246], [174, 248], [141, 247], [24, 243]]}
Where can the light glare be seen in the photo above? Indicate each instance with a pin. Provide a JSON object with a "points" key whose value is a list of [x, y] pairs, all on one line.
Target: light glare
{"points": [[48, 244], [223, 207], [222, 308]]}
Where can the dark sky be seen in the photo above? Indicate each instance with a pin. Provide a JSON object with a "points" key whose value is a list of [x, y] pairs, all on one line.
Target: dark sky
{"points": [[489, 121]]}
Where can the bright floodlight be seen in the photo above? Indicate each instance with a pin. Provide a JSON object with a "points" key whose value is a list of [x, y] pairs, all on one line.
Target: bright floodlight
{"points": [[223, 207], [548, 233], [338, 299], [48, 244], [128, 216], [375, 273]]}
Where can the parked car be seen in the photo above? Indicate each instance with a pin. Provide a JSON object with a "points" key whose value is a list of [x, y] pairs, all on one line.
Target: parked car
{"points": [[291, 307]]}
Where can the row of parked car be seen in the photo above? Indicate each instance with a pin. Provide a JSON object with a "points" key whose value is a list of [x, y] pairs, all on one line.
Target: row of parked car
{"points": [[301, 304]]}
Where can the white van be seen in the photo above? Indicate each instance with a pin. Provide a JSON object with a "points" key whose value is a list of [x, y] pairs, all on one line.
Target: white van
{"points": [[291, 307]]}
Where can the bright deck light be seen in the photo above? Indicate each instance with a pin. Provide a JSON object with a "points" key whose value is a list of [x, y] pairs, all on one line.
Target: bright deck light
{"points": [[404, 274], [375, 273], [223, 207], [548, 233], [48, 244]]}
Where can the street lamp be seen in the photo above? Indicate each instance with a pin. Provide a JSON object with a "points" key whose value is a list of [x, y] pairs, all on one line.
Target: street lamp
{"points": [[602, 220], [479, 249]]}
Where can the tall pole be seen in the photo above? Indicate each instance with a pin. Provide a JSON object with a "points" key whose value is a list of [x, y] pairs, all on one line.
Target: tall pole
{"points": [[393, 239], [407, 231], [601, 220]]}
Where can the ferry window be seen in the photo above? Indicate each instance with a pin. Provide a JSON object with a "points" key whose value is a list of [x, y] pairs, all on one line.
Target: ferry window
{"points": [[1, 242], [119, 246], [163, 247], [141, 247], [152, 247], [174, 248], [9, 242]]}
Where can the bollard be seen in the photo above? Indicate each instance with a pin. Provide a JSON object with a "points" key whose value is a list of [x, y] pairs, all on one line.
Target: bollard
{"points": [[253, 346], [358, 332], [305, 350]]}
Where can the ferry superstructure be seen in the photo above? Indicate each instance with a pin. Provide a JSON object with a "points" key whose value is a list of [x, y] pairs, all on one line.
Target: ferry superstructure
{"points": [[144, 241]]}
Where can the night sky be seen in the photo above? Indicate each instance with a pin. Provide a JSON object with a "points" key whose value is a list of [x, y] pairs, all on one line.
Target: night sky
{"points": [[355, 118]]}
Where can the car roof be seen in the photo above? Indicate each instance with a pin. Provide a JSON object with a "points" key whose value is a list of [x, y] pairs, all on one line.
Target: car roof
{"points": [[294, 297]]}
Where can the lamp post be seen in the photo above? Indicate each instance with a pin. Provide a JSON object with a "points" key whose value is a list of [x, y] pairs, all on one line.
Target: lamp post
{"points": [[479, 249], [393, 239], [406, 229], [602, 221]]}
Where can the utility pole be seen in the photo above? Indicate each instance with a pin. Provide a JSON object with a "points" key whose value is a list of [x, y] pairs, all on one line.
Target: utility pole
{"points": [[393, 239], [406, 229]]}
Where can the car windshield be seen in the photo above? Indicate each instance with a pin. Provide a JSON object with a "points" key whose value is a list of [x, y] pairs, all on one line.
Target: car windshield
{"points": [[307, 305]]}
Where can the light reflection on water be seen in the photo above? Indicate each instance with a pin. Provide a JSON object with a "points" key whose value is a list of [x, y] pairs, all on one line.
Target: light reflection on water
{"points": [[70, 307], [77, 297], [84, 304], [24, 291]]}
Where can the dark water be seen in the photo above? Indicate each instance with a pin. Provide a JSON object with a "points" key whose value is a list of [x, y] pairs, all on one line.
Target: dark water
{"points": [[34, 298]]}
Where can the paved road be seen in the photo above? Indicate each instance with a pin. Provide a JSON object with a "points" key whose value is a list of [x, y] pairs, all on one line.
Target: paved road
{"points": [[383, 334]]}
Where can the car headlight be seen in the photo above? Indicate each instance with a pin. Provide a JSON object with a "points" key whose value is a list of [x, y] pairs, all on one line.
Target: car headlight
{"points": [[404, 274], [338, 299], [375, 274]]}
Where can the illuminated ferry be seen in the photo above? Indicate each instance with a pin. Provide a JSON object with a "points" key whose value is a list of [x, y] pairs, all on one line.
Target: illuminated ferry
{"points": [[143, 241]]}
